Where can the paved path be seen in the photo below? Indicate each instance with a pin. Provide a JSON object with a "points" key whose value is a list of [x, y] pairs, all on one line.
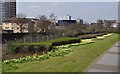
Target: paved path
{"points": [[108, 62]]}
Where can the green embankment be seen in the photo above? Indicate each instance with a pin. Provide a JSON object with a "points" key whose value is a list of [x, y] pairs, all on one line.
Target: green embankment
{"points": [[77, 61]]}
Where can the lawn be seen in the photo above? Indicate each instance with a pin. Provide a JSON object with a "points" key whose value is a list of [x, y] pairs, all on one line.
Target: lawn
{"points": [[76, 61]]}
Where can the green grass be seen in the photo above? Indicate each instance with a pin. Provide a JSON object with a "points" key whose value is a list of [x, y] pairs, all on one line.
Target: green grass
{"points": [[77, 61]]}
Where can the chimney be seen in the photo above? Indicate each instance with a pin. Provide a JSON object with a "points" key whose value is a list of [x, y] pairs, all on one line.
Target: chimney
{"points": [[69, 17]]}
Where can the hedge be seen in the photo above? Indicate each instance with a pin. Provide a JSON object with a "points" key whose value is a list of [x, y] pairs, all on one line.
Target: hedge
{"points": [[40, 46], [89, 36], [28, 48], [32, 48], [63, 42]]}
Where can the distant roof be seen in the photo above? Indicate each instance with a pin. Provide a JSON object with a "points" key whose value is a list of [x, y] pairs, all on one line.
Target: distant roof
{"points": [[17, 20], [66, 21], [32, 18]]}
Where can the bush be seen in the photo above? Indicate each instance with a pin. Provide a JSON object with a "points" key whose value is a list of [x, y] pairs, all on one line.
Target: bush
{"points": [[41, 46], [58, 51], [64, 41], [88, 36], [30, 48], [100, 35]]}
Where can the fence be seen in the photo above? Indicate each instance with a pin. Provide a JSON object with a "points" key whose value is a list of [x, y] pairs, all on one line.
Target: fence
{"points": [[29, 38]]}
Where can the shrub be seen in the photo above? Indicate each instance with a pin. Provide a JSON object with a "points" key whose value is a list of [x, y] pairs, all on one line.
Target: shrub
{"points": [[100, 35], [31, 48], [69, 41], [88, 36], [37, 48], [58, 52], [41, 46]]}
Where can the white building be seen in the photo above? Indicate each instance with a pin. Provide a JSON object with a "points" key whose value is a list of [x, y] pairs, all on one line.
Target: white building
{"points": [[14, 26]]}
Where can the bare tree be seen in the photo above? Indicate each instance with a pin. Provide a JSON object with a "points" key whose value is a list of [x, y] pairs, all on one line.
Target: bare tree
{"points": [[38, 17], [21, 15], [53, 18], [43, 17], [42, 24]]}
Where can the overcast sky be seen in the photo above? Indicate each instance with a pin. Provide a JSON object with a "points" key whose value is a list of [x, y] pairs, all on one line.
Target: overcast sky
{"points": [[88, 11]]}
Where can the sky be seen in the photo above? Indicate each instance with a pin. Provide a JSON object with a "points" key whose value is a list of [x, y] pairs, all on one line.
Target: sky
{"points": [[88, 11], [66, 0]]}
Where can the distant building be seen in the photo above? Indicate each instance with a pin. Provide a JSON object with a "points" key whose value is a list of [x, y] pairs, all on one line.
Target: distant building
{"points": [[0, 29], [14, 25], [114, 25], [79, 21], [67, 21], [109, 23], [94, 26], [100, 21], [7, 10], [0, 12]]}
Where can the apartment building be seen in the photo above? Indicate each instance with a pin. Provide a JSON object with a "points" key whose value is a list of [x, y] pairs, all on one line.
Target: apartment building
{"points": [[7, 9], [15, 25]]}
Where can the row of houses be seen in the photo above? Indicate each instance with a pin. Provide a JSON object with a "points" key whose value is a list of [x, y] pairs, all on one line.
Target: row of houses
{"points": [[14, 25], [23, 25], [29, 25], [105, 24]]}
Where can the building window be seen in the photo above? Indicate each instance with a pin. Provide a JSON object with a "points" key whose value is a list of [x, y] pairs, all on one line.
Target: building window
{"points": [[17, 27], [24, 28], [6, 27]]}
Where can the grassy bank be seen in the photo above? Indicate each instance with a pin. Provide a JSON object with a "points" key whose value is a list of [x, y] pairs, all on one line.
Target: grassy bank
{"points": [[77, 61]]}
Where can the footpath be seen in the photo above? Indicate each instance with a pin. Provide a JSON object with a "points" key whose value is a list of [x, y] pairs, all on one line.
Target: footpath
{"points": [[108, 62]]}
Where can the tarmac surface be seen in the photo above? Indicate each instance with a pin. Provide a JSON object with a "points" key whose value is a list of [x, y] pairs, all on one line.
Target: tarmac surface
{"points": [[108, 62]]}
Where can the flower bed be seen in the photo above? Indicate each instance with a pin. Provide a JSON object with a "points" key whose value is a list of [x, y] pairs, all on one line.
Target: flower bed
{"points": [[107, 35], [100, 37], [40, 46], [57, 51]]}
